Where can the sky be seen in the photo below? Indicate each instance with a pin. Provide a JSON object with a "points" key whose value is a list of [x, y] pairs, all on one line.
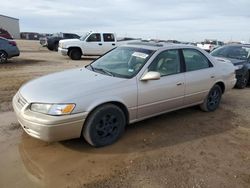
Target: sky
{"points": [[184, 20]]}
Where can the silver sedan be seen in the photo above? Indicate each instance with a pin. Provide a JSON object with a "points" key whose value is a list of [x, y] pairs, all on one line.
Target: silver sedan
{"points": [[128, 84]]}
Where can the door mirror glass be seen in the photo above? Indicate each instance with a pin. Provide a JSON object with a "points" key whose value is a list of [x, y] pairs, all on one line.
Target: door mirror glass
{"points": [[151, 75]]}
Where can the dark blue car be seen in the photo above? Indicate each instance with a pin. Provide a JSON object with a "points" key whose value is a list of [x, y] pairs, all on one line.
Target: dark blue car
{"points": [[8, 49], [239, 55]]}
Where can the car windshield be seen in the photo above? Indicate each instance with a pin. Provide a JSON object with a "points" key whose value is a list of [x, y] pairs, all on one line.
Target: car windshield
{"points": [[83, 37], [233, 52], [123, 62]]}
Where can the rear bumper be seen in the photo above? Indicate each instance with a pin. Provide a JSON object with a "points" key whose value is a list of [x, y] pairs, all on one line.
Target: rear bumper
{"points": [[46, 127], [13, 52], [63, 51]]}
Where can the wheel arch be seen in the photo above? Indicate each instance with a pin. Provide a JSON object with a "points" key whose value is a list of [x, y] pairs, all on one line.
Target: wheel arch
{"points": [[74, 47], [119, 104], [5, 52], [222, 85]]}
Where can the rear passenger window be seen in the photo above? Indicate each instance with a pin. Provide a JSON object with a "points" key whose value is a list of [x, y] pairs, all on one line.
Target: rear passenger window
{"points": [[108, 37], [195, 60], [95, 37], [166, 63]]}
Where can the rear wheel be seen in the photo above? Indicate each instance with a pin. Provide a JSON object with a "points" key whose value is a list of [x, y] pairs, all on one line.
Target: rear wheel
{"points": [[104, 126], [243, 81], [3, 57], [212, 101], [75, 54]]}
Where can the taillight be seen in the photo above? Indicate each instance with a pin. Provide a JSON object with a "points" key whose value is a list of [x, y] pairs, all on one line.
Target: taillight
{"points": [[13, 43]]}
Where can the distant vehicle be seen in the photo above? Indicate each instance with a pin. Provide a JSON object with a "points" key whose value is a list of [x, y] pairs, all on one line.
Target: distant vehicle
{"points": [[92, 43], [43, 39], [8, 49], [5, 34], [239, 55], [131, 83], [53, 41], [210, 45]]}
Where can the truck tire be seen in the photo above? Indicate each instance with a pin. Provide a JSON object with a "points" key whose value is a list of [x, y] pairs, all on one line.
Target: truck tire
{"points": [[55, 47], [75, 54]]}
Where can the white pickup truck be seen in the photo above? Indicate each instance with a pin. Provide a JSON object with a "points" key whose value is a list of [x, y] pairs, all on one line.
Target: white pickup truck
{"points": [[91, 44], [209, 45]]}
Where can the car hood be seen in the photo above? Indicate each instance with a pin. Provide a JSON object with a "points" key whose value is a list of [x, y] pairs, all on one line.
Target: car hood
{"points": [[230, 60], [69, 41], [64, 87]]}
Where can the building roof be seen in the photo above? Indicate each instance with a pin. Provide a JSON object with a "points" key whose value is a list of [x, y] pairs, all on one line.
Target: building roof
{"points": [[9, 17]]}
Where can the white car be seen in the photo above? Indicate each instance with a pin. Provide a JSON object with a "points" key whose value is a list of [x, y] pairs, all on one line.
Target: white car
{"points": [[210, 45]]}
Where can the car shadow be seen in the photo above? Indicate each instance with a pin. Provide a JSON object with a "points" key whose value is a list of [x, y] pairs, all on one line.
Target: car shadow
{"points": [[46, 162], [163, 131]]}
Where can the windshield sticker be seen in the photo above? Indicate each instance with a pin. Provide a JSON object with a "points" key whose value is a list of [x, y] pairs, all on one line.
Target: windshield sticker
{"points": [[130, 70], [140, 55]]}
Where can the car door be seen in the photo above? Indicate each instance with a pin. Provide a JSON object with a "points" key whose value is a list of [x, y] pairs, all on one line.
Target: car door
{"points": [[165, 94], [199, 76], [93, 45], [108, 42]]}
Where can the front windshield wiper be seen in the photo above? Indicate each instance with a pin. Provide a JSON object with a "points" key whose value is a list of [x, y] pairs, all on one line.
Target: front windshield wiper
{"points": [[101, 70]]}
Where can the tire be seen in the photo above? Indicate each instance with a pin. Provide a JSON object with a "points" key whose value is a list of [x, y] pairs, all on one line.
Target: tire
{"points": [[56, 45], [75, 54], [50, 48], [212, 101], [242, 82], [104, 126], [3, 57]]}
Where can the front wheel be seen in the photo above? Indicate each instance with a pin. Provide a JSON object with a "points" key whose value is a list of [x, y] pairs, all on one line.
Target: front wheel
{"points": [[104, 126], [243, 81], [212, 101], [75, 54]]}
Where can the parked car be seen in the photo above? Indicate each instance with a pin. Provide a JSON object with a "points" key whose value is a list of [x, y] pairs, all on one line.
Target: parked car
{"points": [[8, 49], [53, 41], [239, 55], [93, 43], [210, 45], [5, 34], [128, 84]]}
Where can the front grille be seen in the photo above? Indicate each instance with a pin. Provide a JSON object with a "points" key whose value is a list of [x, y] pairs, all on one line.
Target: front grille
{"points": [[21, 101]]}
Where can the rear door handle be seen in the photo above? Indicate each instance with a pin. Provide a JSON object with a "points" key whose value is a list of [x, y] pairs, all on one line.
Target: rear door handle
{"points": [[179, 84], [100, 44], [212, 76], [113, 44]]}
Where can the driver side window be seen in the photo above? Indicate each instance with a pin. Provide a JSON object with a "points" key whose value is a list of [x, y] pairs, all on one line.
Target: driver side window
{"points": [[95, 37], [166, 63]]}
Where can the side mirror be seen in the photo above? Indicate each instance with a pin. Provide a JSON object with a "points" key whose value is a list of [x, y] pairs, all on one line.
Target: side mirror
{"points": [[151, 75]]}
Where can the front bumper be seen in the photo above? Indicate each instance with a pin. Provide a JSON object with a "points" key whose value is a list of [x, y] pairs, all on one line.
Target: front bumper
{"points": [[63, 51], [46, 127]]}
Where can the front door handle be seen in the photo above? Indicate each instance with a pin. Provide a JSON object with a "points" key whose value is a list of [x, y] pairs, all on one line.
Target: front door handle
{"points": [[179, 84], [113, 44], [100, 44], [212, 76]]}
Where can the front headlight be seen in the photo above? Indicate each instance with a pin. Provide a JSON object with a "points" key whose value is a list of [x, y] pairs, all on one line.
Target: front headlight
{"points": [[237, 67], [52, 109]]}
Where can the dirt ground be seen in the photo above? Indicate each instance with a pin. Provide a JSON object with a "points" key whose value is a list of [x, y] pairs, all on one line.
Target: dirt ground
{"points": [[186, 148]]}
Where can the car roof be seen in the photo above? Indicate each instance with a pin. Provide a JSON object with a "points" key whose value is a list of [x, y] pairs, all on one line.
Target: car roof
{"points": [[242, 45], [3, 38], [158, 45]]}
